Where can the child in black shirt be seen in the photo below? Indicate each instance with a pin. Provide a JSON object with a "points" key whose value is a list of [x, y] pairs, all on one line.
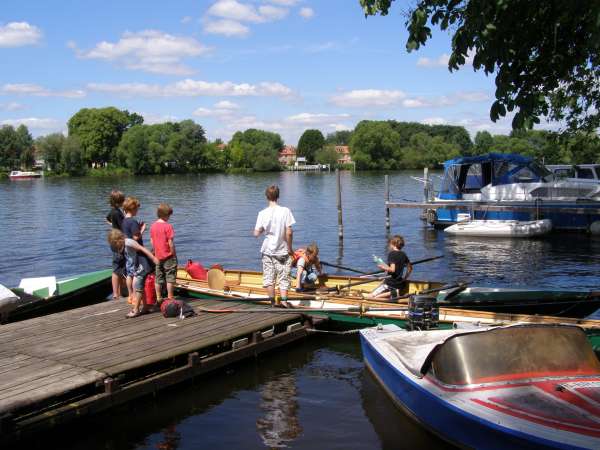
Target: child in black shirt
{"points": [[397, 262], [115, 219]]}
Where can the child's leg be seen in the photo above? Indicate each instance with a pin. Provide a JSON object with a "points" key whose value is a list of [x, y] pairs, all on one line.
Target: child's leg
{"points": [[170, 269], [159, 281], [129, 284], [116, 285], [380, 292]]}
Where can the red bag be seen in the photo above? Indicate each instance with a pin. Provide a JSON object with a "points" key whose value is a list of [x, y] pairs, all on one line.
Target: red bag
{"points": [[196, 270], [150, 290]]}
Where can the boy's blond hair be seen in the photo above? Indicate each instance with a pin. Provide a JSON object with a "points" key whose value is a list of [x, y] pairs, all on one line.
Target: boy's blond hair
{"points": [[312, 251], [164, 211], [131, 204], [116, 198], [116, 240]]}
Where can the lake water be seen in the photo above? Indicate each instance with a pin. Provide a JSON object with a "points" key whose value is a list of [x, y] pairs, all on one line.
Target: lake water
{"points": [[313, 395]]}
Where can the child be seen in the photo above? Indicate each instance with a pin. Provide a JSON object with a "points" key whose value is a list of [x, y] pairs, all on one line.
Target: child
{"points": [[139, 257], [308, 266], [115, 219], [161, 236], [397, 261], [275, 222], [132, 229]]}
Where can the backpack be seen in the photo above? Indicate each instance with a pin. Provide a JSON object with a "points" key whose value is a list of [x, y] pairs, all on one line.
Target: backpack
{"points": [[176, 308], [196, 270]]}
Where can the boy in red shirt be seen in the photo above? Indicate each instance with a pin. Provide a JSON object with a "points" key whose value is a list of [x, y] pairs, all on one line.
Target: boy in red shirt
{"points": [[161, 236]]}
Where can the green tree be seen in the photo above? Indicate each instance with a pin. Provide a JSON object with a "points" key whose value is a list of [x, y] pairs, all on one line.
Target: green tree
{"points": [[327, 155], [341, 137], [483, 142], [50, 148], [255, 149], [374, 144], [310, 142], [544, 55], [99, 131], [134, 151], [72, 157], [9, 147]]}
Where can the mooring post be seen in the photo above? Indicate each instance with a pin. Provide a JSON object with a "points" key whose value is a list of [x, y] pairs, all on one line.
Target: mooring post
{"points": [[387, 200], [426, 179], [339, 205]]}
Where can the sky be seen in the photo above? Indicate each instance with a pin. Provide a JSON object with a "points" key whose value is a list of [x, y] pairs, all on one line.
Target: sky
{"points": [[229, 65]]}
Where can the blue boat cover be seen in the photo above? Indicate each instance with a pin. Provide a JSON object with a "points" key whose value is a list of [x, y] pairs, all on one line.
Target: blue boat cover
{"points": [[509, 157]]}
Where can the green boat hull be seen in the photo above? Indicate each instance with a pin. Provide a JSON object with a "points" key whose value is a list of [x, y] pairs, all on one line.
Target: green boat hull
{"points": [[74, 292]]}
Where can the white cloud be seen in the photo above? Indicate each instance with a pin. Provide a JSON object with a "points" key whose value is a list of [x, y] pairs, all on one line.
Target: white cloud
{"points": [[11, 106], [226, 104], [269, 12], [415, 103], [153, 118], [39, 91], [186, 19], [19, 34], [315, 118], [150, 51], [227, 28], [285, 2], [223, 110], [229, 17], [368, 97], [306, 12], [434, 121], [234, 10], [194, 88], [35, 123], [441, 61]]}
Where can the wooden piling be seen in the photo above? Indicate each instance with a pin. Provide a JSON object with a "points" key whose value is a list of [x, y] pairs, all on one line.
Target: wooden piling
{"points": [[426, 183], [339, 204], [387, 200]]}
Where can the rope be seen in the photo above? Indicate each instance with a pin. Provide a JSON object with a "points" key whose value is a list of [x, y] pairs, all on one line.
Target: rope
{"points": [[339, 333]]}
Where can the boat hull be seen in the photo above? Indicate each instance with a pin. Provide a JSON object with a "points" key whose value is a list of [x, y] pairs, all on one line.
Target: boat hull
{"points": [[81, 290], [443, 418]]}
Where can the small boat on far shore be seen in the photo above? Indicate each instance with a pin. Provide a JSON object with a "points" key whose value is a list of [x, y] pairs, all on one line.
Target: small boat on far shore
{"points": [[501, 228], [22, 175], [520, 387]]}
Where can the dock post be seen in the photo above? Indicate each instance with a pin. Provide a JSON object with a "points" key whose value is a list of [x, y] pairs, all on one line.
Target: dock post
{"points": [[339, 205], [426, 179], [387, 200]]}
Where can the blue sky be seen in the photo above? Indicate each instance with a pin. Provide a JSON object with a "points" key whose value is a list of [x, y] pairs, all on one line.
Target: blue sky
{"points": [[280, 65]]}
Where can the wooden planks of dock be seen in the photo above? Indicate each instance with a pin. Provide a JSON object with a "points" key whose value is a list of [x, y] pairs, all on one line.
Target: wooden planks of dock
{"points": [[62, 366]]}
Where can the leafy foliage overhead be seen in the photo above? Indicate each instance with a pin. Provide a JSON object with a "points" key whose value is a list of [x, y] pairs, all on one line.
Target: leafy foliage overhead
{"points": [[544, 55]]}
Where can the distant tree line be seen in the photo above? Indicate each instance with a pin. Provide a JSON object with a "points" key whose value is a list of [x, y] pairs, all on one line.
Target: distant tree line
{"points": [[109, 139]]}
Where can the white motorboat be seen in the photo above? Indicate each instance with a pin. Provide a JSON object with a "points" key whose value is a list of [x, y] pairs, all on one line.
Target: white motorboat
{"points": [[20, 175], [501, 228]]}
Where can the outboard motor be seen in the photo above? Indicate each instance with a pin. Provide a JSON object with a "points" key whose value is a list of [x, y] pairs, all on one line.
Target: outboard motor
{"points": [[423, 312]]}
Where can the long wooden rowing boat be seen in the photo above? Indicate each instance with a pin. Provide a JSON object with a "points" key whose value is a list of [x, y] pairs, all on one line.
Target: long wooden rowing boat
{"points": [[567, 303], [247, 285], [68, 293]]}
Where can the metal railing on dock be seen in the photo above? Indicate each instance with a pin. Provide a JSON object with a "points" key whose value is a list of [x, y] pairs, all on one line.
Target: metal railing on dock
{"points": [[67, 365]]}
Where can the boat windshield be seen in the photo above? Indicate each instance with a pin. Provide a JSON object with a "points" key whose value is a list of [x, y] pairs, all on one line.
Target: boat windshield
{"points": [[514, 353]]}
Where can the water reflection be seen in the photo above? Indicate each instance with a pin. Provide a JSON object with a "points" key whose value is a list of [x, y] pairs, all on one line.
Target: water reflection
{"points": [[280, 424]]}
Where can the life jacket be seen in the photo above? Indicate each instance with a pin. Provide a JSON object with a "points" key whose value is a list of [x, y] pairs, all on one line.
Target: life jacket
{"points": [[196, 270], [150, 290], [298, 253]]}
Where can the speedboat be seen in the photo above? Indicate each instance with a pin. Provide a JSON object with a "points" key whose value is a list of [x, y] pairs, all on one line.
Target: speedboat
{"points": [[589, 173], [501, 228], [20, 175], [501, 186], [520, 386]]}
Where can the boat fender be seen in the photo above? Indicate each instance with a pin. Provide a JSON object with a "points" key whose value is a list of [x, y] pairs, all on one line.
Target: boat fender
{"points": [[431, 215], [595, 228], [196, 270]]}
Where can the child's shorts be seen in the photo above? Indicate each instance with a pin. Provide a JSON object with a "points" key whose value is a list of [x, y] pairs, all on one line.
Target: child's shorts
{"points": [[383, 288], [277, 269], [139, 281], [118, 264], [166, 271]]}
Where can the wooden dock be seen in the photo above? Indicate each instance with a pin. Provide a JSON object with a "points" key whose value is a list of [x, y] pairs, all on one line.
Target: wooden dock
{"points": [[59, 367]]}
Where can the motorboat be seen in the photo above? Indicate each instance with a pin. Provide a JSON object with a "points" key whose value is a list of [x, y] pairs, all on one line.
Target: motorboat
{"points": [[520, 387], [21, 175], [501, 228]]}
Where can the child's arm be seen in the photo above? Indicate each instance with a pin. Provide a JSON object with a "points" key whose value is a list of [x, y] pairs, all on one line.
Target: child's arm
{"points": [[139, 248], [387, 268], [299, 277], [289, 235], [409, 269], [172, 247]]}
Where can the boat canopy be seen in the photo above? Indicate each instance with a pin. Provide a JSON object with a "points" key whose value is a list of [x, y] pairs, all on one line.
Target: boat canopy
{"points": [[488, 354], [468, 174]]}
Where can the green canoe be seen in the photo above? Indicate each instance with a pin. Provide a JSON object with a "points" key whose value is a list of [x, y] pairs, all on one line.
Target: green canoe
{"points": [[72, 292]]}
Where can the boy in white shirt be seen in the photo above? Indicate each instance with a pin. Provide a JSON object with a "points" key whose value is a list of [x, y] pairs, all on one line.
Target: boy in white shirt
{"points": [[275, 222]]}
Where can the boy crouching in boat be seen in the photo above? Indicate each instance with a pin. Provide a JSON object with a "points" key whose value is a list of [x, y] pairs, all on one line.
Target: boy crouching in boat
{"points": [[308, 266], [139, 257], [161, 236], [396, 263]]}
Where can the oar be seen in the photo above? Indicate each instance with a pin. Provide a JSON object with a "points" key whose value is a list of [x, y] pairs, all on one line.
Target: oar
{"points": [[362, 272], [298, 310], [338, 288], [458, 287]]}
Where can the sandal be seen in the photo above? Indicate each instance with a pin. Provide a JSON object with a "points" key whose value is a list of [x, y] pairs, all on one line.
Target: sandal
{"points": [[132, 314]]}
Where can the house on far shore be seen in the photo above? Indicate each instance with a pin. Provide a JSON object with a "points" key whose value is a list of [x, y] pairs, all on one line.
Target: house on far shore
{"points": [[343, 152], [287, 155], [221, 147]]}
